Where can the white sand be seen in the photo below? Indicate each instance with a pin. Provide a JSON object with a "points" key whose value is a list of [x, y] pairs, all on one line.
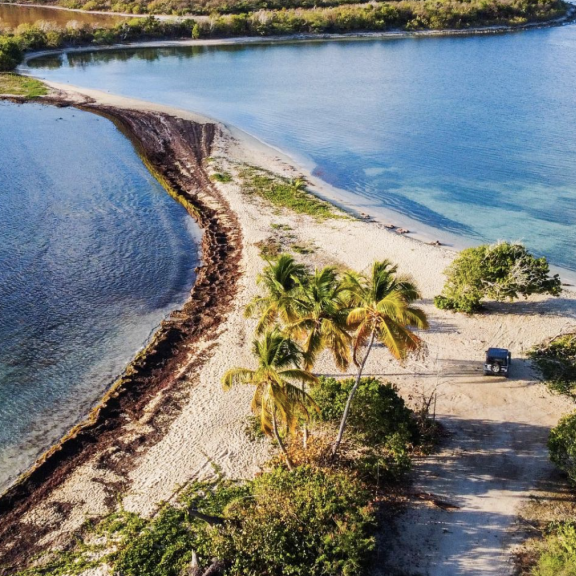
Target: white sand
{"points": [[491, 462]]}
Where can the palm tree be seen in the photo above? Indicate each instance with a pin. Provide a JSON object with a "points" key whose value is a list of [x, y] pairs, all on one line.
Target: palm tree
{"points": [[280, 279], [321, 322], [381, 310], [277, 400]]}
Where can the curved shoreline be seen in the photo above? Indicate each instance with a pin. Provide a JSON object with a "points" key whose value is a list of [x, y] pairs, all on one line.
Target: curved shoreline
{"points": [[568, 18], [158, 138], [49, 514], [352, 203], [571, 14]]}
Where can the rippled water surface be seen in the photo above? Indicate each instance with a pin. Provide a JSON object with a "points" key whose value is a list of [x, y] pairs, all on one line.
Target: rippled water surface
{"points": [[475, 136], [93, 254]]}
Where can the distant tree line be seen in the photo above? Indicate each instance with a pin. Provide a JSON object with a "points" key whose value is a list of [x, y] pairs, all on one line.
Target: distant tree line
{"points": [[404, 15]]}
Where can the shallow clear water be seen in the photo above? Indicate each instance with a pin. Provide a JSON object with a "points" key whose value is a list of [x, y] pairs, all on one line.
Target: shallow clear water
{"points": [[473, 135], [12, 16], [93, 254]]}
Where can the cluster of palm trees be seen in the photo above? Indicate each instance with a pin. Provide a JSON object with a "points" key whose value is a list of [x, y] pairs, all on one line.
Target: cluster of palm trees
{"points": [[303, 313]]}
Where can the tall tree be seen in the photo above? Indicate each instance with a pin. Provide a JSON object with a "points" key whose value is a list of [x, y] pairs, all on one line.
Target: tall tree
{"points": [[321, 321], [280, 279], [277, 399], [381, 309]]}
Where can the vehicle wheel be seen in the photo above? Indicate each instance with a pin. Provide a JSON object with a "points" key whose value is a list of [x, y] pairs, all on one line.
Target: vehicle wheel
{"points": [[496, 368]]}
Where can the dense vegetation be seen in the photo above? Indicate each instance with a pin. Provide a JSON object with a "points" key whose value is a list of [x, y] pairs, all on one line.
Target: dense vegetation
{"points": [[562, 446], [228, 19], [306, 522], [555, 360], [315, 515], [555, 554], [457, 14], [501, 271], [558, 551], [10, 53]]}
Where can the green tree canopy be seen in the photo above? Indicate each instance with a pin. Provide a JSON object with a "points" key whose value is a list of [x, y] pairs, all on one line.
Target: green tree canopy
{"points": [[10, 54], [281, 279], [555, 360], [501, 271], [277, 400]]}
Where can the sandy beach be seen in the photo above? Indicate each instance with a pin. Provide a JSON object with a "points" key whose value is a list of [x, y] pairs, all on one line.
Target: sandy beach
{"points": [[495, 454]]}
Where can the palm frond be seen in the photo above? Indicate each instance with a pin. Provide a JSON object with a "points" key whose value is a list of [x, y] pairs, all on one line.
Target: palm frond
{"points": [[237, 376]]}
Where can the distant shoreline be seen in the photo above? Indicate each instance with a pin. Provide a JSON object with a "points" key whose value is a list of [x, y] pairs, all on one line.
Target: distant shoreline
{"points": [[568, 17]]}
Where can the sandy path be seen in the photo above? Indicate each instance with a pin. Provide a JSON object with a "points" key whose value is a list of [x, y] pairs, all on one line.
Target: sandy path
{"points": [[487, 467]]}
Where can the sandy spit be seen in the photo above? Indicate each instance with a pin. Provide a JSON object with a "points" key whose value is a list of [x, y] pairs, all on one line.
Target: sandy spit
{"points": [[495, 455]]}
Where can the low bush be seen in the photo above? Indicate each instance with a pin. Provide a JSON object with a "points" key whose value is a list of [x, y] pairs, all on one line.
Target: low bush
{"points": [[378, 412], [557, 554], [223, 177], [307, 522], [556, 363], [17, 85], [383, 431], [284, 193], [10, 54], [501, 271], [562, 446]]}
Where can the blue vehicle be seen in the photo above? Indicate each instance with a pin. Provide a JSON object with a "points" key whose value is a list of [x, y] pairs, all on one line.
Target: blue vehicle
{"points": [[497, 362]]}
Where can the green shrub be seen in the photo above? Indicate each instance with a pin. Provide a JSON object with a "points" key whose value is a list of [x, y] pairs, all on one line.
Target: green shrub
{"points": [[309, 523], [377, 412], [10, 54], [556, 363], [562, 446], [558, 552], [382, 429], [501, 271]]}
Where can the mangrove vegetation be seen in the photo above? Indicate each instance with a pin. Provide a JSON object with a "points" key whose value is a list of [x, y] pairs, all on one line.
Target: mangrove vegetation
{"points": [[222, 19]]}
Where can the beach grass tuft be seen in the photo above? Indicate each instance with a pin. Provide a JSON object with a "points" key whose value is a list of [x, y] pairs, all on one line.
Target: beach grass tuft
{"points": [[16, 85], [285, 193], [223, 177]]}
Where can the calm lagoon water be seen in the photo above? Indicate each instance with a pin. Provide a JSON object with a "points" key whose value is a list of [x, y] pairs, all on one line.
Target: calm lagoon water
{"points": [[93, 254], [12, 16], [475, 136]]}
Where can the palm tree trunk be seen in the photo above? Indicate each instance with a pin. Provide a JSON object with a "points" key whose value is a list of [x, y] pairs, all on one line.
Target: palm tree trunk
{"points": [[280, 443], [351, 396], [305, 430]]}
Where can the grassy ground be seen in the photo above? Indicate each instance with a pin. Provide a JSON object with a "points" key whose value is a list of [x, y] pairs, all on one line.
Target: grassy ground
{"points": [[17, 85], [547, 551], [285, 193]]}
